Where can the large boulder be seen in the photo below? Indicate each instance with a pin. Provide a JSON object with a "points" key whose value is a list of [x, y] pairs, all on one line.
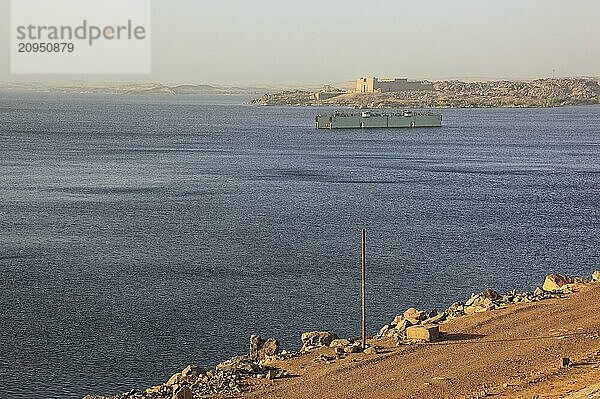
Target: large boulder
{"points": [[491, 294], [270, 348], [385, 330], [556, 282], [192, 370], [415, 316], [486, 300], [482, 302], [440, 317], [400, 323], [255, 344], [403, 325], [354, 347], [316, 339], [175, 379], [260, 349]]}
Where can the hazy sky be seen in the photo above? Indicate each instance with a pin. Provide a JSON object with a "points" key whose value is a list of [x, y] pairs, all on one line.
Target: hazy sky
{"points": [[309, 41]]}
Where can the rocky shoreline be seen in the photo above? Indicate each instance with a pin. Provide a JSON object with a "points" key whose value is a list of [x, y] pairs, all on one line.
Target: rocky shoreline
{"points": [[241, 374], [452, 94]]}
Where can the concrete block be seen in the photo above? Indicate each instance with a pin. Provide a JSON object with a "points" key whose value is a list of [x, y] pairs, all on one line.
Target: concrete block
{"points": [[426, 332]]}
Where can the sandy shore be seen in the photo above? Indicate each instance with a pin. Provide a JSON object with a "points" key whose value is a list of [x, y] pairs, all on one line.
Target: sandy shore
{"points": [[509, 353]]}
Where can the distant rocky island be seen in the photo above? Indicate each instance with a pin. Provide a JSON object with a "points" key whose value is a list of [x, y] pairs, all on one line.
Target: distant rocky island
{"points": [[554, 92]]}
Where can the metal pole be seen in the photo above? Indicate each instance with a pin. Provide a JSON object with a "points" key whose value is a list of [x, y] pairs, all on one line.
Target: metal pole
{"points": [[364, 310]]}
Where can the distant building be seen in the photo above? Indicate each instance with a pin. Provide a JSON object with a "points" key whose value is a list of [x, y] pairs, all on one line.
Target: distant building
{"points": [[375, 85], [326, 95], [327, 92]]}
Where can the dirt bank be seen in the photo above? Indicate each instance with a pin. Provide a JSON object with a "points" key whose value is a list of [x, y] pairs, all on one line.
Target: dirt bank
{"points": [[509, 353]]}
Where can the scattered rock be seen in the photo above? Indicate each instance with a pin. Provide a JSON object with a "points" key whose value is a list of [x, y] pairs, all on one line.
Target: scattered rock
{"points": [[484, 301], [271, 375], [414, 316], [183, 392], [556, 282], [590, 392], [384, 330], [325, 358], [154, 389], [192, 369], [370, 350], [230, 377], [457, 309], [239, 364], [175, 379], [481, 302], [339, 343], [397, 328], [316, 339], [354, 347], [403, 325], [436, 319], [491, 294]]}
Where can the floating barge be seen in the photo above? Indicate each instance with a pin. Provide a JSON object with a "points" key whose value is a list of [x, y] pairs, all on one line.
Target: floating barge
{"points": [[368, 119]]}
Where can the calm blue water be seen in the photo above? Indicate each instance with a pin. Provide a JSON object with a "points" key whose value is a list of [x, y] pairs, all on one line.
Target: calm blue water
{"points": [[140, 234]]}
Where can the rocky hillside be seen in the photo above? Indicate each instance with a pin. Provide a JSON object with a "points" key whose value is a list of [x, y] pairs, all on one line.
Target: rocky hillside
{"points": [[458, 94]]}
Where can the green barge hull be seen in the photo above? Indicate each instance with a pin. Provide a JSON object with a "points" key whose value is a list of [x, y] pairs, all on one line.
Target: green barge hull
{"points": [[364, 120]]}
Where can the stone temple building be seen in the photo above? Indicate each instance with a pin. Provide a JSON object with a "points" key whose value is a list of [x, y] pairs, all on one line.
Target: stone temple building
{"points": [[376, 85]]}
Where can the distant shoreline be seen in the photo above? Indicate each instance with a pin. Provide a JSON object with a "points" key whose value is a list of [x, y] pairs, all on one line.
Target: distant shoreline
{"points": [[136, 88], [451, 94], [541, 93]]}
